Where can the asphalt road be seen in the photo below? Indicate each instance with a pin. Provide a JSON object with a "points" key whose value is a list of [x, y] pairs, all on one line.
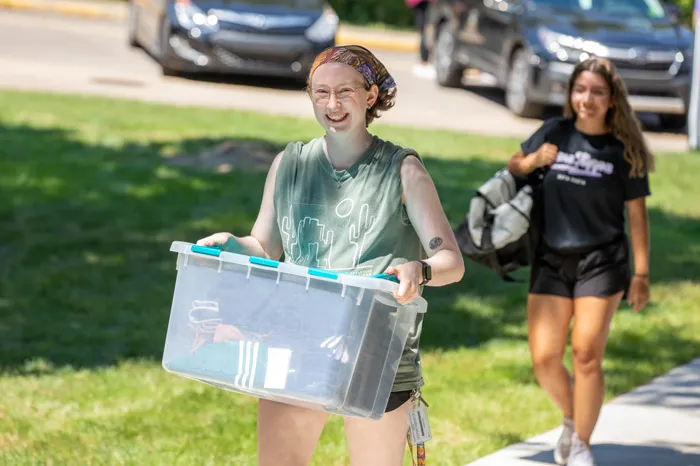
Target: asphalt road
{"points": [[90, 56]]}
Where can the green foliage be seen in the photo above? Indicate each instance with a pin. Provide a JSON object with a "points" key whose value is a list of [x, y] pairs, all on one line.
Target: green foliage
{"points": [[390, 12], [686, 7]]}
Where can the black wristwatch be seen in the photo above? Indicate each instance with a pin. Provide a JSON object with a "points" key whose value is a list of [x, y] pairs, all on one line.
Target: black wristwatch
{"points": [[427, 272]]}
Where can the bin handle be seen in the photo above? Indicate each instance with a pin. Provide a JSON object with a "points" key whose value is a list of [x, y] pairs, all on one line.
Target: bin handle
{"points": [[264, 262], [386, 276], [209, 251]]}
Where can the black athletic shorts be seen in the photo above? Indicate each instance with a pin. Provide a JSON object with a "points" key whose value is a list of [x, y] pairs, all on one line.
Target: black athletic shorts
{"points": [[396, 399], [601, 271]]}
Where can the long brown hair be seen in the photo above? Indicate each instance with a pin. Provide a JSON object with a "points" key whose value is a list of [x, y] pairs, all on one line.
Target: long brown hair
{"points": [[621, 119]]}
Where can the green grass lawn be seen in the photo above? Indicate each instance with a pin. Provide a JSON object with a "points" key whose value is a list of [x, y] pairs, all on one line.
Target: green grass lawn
{"points": [[89, 209]]}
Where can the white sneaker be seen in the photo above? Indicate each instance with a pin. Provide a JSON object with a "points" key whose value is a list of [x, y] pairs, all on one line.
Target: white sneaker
{"points": [[563, 447], [580, 454]]}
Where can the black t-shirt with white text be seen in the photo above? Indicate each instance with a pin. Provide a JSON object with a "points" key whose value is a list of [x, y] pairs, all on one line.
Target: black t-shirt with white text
{"points": [[585, 190]]}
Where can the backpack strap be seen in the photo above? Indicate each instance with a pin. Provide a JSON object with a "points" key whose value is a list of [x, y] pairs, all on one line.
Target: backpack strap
{"points": [[555, 136]]}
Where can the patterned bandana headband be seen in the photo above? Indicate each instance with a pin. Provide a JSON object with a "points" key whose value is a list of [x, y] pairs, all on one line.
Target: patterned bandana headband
{"points": [[362, 60]]}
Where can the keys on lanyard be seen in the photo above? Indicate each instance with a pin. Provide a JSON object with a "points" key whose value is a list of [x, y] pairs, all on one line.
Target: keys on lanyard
{"points": [[418, 428]]}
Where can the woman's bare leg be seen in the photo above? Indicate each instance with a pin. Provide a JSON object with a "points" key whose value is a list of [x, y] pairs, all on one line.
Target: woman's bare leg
{"points": [[287, 435], [548, 319], [378, 443], [592, 317]]}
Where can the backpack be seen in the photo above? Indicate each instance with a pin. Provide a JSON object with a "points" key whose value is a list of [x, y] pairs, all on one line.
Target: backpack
{"points": [[501, 228]]}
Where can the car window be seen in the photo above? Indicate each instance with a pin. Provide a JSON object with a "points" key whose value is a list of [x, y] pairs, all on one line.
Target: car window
{"points": [[646, 8]]}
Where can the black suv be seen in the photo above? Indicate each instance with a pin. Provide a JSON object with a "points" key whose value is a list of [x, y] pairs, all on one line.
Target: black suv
{"points": [[532, 46]]}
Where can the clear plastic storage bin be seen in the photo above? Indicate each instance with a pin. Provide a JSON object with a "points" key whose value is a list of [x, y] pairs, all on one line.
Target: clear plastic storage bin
{"points": [[287, 333]]}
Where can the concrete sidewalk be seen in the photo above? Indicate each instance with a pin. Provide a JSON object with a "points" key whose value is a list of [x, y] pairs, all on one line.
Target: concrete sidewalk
{"points": [[657, 424], [401, 41]]}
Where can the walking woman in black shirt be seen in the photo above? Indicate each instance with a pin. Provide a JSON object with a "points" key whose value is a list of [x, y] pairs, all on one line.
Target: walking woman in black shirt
{"points": [[594, 163]]}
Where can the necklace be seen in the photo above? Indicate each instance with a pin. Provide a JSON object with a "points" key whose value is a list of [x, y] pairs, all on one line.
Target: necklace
{"points": [[338, 175]]}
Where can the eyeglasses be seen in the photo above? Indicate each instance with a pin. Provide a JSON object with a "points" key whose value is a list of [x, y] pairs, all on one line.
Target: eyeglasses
{"points": [[345, 93]]}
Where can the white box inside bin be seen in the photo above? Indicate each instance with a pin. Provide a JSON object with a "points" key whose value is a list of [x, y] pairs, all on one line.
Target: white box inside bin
{"points": [[284, 332]]}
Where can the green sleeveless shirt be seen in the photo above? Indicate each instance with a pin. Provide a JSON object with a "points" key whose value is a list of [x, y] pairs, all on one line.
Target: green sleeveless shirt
{"points": [[351, 221]]}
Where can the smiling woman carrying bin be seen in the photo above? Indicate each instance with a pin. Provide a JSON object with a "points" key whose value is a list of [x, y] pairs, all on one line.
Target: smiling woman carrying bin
{"points": [[352, 203]]}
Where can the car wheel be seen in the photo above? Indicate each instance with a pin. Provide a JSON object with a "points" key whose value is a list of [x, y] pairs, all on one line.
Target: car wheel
{"points": [[164, 49], [676, 122], [132, 25], [517, 85], [449, 73]]}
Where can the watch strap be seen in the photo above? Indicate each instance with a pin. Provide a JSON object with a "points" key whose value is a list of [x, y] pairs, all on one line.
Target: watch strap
{"points": [[427, 272]]}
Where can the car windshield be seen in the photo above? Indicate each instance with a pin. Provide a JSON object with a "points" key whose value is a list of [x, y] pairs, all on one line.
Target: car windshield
{"points": [[300, 4], [652, 9]]}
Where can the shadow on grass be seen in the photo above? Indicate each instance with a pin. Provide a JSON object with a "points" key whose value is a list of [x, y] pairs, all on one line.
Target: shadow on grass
{"points": [[86, 276]]}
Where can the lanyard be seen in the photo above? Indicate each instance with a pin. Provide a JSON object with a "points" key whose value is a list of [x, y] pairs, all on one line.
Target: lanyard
{"points": [[419, 459]]}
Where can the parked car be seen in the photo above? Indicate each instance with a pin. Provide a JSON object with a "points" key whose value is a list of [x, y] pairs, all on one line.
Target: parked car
{"points": [[532, 46], [261, 37]]}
